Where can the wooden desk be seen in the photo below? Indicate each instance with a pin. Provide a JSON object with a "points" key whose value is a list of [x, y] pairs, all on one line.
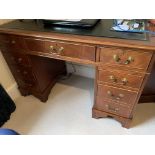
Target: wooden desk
{"points": [[125, 69]]}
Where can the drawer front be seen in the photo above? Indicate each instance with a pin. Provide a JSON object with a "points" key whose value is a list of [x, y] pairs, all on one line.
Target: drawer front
{"points": [[4, 39], [23, 76], [123, 57], [4, 42], [24, 73], [121, 78], [111, 107], [124, 96], [64, 49], [16, 58], [36, 45], [26, 84], [8, 41]]}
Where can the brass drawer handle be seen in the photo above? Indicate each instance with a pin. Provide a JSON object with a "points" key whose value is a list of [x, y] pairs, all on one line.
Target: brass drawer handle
{"points": [[60, 50], [129, 60], [114, 96], [112, 78], [124, 81], [56, 50], [51, 47], [118, 59], [112, 108]]}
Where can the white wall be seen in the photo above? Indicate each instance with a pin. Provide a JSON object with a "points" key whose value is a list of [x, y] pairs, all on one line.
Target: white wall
{"points": [[82, 70], [6, 78]]}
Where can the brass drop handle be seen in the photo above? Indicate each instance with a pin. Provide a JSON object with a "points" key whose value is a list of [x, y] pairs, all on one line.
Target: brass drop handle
{"points": [[109, 93], [129, 60], [60, 50], [124, 81], [116, 58], [52, 47], [56, 50], [115, 97], [112, 78], [112, 108]]}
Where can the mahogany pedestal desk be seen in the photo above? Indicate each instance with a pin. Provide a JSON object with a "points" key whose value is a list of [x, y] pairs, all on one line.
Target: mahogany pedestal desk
{"points": [[125, 69]]}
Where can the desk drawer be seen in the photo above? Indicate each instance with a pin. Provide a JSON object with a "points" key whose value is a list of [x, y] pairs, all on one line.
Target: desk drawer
{"points": [[8, 41], [23, 73], [4, 39], [16, 58], [137, 59], [121, 78], [64, 49], [24, 76], [123, 96]]}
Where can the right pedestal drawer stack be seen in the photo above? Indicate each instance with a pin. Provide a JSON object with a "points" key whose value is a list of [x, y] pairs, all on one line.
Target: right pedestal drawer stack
{"points": [[120, 76]]}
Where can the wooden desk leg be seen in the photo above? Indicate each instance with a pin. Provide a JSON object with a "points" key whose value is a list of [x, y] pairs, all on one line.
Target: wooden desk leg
{"points": [[24, 92], [46, 72], [101, 114]]}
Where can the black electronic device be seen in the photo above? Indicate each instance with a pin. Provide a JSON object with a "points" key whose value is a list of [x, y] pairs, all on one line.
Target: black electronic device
{"points": [[79, 23]]}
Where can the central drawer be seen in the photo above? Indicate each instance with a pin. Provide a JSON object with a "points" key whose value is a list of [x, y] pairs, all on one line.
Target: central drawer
{"points": [[58, 48]]}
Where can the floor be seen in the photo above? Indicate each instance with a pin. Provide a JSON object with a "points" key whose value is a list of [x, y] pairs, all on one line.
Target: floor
{"points": [[68, 111]]}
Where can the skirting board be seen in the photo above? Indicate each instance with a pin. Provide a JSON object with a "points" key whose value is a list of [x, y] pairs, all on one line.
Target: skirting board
{"points": [[13, 91], [81, 70]]}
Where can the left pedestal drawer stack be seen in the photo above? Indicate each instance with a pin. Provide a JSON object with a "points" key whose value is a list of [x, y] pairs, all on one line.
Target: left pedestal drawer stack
{"points": [[12, 48], [25, 67]]}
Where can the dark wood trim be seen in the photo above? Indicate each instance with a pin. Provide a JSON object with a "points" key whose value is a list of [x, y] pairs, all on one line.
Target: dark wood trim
{"points": [[147, 98]]}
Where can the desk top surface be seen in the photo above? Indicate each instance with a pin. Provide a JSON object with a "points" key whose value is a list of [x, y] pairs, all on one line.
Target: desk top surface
{"points": [[99, 35]]}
